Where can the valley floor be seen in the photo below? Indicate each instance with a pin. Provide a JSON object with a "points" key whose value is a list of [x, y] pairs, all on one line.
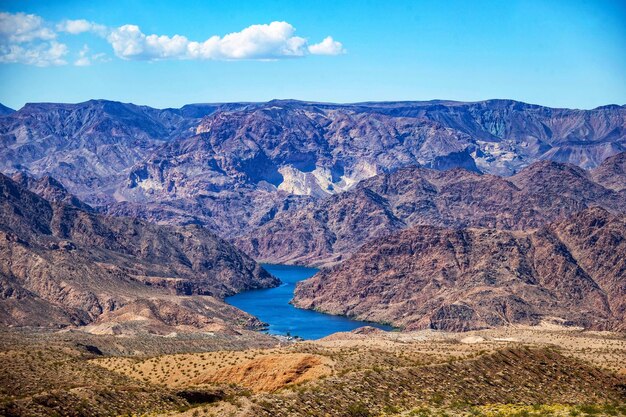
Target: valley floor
{"points": [[521, 371]]}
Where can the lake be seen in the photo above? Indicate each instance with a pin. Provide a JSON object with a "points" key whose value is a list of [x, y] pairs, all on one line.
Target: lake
{"points": [[272, 306]]}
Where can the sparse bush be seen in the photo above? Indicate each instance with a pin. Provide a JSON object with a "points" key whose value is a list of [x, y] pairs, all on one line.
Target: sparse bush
{"points": [[358, 410], [420, 412]]}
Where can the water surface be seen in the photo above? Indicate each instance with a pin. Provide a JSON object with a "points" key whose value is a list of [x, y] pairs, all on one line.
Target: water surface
{"points": [[272, 306]]}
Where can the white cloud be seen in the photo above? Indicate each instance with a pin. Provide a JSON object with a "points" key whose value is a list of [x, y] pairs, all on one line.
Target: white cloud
{"points": [[269, 41], [84, 59], [75, 27], [28, 39], [328, 46], [25, 39], [100, 57], [41, 55], [22, 27], [129, 42]]}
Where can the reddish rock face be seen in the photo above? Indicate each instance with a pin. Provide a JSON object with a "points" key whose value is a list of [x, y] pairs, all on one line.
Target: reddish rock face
{"points": [[612, 172], [571, 272], [61, 264], [331, 230]]}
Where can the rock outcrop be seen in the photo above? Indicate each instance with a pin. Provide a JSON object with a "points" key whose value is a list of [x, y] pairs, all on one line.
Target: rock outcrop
{"points": [[571, 272], [611, 173], [62, 265], [329, 231], [50, 189]]}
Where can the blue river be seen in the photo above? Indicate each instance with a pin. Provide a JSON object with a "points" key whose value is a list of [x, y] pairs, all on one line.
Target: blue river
{"points": [[272, 306]]}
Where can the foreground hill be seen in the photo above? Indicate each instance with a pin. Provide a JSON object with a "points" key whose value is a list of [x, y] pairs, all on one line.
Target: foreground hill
{"points": [[65, 265], [572, 272], [328, 231], [511, 371]]}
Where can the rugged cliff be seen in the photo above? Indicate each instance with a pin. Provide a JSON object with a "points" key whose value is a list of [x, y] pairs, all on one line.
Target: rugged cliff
{"points": [[61, 264], [329, 231], [570, 272]]}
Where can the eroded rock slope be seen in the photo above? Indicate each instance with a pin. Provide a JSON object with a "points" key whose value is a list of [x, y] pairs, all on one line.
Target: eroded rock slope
{"points": [[61, 265], [570, 272]]}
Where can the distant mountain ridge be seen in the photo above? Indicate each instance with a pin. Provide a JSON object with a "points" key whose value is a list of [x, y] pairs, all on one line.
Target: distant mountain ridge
{"points": [[88, 145], [4, 110], [234, 166]]}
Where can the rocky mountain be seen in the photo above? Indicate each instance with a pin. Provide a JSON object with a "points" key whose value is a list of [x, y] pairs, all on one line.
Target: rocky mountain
{"points": [[570, 272], [233, 167], [50, 189], [61, 264], [260, 159], [297, 147], [89, 145], [319, 150], [510, 135], [4, 110], [328, 231], [612, 172]]}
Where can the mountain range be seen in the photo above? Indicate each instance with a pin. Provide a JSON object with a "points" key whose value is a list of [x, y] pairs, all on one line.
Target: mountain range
{"points": [[326, 232], [438, 214], [232, 167]]}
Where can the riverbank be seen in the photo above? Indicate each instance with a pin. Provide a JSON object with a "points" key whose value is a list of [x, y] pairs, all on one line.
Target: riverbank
{"points": [[272, 306]]}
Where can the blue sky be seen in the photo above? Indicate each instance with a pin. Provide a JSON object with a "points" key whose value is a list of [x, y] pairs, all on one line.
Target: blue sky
{"points": [[559, 53]]}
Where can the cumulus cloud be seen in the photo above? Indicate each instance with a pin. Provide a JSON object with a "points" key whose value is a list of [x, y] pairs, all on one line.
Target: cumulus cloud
{"points": [[25, 39], [275, 40], [22, 27], [28, 39], [41, 55], [269, 41], [75, 27], [129, 42], [328, 46]]}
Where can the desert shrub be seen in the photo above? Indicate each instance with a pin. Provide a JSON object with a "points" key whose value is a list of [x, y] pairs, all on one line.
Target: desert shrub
{"points": [[420, 412], [358, 410]]}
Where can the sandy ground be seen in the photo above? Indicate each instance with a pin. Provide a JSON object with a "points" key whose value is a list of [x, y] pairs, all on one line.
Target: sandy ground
{"points": [[272, 369], [259, 370]]}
